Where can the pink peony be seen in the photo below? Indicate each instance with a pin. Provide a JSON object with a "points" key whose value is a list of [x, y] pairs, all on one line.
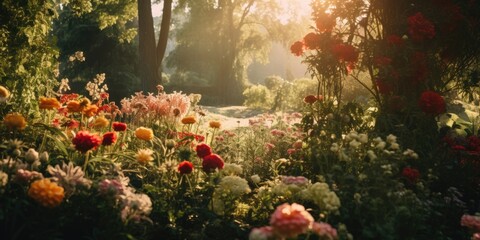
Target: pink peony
{"points": [[262, 233], [288, 221], [324, 231]]}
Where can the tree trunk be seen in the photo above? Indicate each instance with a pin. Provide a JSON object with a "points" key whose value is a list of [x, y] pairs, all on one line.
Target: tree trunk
{"points": [[147, 47], [163, 36]]}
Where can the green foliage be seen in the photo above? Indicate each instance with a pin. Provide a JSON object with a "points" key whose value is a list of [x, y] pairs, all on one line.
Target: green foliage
{"points": [[257, 96]]}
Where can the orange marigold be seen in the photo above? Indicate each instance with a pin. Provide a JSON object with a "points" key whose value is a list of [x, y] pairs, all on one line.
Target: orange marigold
{"points": [[214, 124], [47, 193], [90, 110], [144, 133], [74, 106], [15, 121], [49, 103], [189, 120]]}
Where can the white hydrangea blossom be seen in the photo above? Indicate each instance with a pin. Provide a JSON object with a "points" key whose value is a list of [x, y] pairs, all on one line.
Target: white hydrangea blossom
{"points": [[321, 195], [232, 169]]}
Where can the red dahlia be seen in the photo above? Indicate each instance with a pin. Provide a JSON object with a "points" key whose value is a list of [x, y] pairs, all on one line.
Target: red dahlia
{"points": [[203, 150], [185, 167], [212, 162], [85, 141], [109, 138], [119, 126], [432, 103]]}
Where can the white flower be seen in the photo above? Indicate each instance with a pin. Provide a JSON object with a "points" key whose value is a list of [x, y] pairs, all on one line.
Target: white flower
{"points": [[395, 146], [31, 156], [371, 154], [410, 153], [363, 138], [381, 145], [255, 178], [3, 179], [377, 140], [334, 147], [43, 156], [69, 177], [355, 144], [391, 139], [234, 186], [232, 169]]}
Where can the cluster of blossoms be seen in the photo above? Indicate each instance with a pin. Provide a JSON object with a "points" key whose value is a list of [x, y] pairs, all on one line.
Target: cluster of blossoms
{"points": [[473, 223], [228, 191], [134, 206], [162, 105], [210, 161], [290, 221]]}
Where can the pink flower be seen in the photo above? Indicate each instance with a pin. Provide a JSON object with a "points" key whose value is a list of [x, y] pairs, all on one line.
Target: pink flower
{"points": [[291, 151], [472, 222], [324, 231], [85, 141], [288, 221], [269, 147], [262, 233], [108, 187], [212, 162], [300, 180], [203, 150]]}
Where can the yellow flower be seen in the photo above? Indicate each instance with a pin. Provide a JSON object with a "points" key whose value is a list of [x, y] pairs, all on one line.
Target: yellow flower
{"points": [[47, 193], [74, 106], [15, 121], [49, 103], [214, 124], [144, 156], [4, 93], [189, 120], [144, 133], [100, 122], [90, 110]]}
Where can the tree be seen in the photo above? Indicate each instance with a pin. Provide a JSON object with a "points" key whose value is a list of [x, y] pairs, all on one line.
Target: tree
{"points": [[151, 53], [220, 39]]}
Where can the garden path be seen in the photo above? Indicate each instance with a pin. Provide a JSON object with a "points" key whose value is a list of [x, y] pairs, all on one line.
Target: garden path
{"points": [[231, 116]]}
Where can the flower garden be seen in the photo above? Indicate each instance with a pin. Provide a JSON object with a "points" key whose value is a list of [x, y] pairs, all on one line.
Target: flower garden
{"points": [[403, 165]]}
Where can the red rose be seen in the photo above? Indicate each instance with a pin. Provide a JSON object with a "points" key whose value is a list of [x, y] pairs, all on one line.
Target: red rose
{"points": [[203, 150], [420, 28], [432, 103], [297, 48], [212, 162], [411, 174], [185, 167], [119, 126], [109, 138], [85, 141], [345, 52], [312, 41]]}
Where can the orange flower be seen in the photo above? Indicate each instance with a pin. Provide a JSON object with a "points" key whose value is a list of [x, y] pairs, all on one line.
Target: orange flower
{"points": [[189, 120], [100, 122], [47, 193], [49, 103], [90, 110], [15, 121], [74, 106], [214, 124], [144, 133]]}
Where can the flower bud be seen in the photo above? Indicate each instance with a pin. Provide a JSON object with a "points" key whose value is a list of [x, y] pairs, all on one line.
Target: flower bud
{"points": [[31, 156], [44, 156]]}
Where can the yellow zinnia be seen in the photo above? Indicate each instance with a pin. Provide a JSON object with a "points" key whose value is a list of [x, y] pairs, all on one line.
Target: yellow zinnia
{"points": [[100, 122], [144, 156], [214, 124], [47, 193], [49, 103], [189, 120], [144, 133], [15, 121]]}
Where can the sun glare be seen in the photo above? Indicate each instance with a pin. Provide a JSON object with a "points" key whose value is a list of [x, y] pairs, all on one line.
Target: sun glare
{"points": [[293, 10]]}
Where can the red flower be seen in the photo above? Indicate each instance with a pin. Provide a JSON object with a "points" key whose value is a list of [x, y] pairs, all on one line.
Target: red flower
{"points": [[345, 52], [384, 87], [420, 28], [203, 150], [432, 103], [310, 99], [324, 22], [212, 162], [312, 41], [185, 167], [297, 48], [411, 174], [119, 126], [395, 40], [85, 141], [109, 138], [71, 124]]}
